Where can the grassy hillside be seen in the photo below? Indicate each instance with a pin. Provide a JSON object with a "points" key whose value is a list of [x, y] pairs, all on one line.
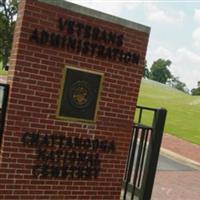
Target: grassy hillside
{"points": [[183, 118], [2, 72]]}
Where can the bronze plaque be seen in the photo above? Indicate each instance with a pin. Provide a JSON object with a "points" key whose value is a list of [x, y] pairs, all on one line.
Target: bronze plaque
{"points": [[79, 95]]}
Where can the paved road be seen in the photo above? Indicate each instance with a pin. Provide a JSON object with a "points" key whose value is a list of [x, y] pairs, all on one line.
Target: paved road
{"points": [[167, 164], [176, 181]]}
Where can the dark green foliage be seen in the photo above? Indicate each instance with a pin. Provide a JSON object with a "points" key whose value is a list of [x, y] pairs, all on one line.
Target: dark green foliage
{"points": [[196, 91], [179, 85], [8, 11], [146, 71], [160, 72]]}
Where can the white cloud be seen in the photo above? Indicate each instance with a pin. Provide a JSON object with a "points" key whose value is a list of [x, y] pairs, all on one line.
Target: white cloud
{"points": [[196, 37], [197, 15], [184, 53], [113, 7], [156, 14], [185, 63], [162, 52]]}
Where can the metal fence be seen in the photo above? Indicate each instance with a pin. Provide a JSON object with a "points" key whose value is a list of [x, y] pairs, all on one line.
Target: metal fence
{"points": [[4, 89], [143, 155]]}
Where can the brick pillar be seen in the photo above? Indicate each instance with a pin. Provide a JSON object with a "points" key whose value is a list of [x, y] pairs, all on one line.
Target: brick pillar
{"points": [[50, 38]]}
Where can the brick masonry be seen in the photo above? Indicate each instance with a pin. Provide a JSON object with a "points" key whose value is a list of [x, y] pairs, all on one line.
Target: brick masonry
{"points": [[35, 81]]}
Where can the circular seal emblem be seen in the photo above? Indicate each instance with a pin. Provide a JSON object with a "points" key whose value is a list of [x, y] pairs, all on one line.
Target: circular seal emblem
{"points": [[80, 94]]}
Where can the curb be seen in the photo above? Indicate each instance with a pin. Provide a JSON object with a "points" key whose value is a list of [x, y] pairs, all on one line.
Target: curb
{"points": [[180, 158]]}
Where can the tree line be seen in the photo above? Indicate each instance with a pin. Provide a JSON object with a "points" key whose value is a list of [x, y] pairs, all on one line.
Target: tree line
{"points": [[160, 72]]}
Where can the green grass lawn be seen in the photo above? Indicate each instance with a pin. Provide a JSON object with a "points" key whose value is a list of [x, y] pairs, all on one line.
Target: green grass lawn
{"points": [[2, 72], [183, 117]]}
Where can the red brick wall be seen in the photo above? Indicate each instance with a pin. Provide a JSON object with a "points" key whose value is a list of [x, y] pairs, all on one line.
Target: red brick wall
{"points": [[35, 81]]}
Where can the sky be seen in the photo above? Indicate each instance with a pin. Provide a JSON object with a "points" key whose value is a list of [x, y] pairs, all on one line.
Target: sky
{"points": [[175, 31]]}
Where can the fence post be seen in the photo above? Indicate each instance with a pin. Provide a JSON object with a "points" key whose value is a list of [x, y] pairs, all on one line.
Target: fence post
{"points": [[154, 149]]}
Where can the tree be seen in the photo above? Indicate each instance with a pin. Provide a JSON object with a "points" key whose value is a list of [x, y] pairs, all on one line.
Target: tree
{"points": [[159, 70], [196, 91], [179, 85], [146, 70], [8, 11]]}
